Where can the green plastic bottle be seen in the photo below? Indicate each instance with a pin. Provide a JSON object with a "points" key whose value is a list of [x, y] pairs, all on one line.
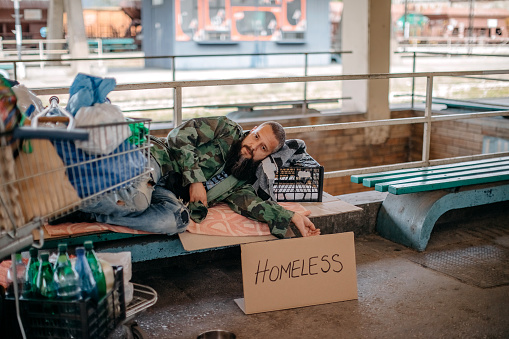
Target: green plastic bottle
{"points": [[96, 268], [65, 276], [31, 274], [45, 286]]}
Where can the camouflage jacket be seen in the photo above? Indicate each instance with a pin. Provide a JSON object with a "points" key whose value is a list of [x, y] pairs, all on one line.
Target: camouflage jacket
{"points": [[197, 150]]}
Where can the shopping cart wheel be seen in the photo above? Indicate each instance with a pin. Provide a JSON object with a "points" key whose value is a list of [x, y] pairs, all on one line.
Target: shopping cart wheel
{"points": [[134, 331]]}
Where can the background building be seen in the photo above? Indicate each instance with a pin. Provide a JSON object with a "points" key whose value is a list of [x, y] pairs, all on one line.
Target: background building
{"points": [[194, 27]]}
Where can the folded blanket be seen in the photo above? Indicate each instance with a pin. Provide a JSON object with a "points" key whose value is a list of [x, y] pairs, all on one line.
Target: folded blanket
{"points": [[292, 151], [221, 220]]}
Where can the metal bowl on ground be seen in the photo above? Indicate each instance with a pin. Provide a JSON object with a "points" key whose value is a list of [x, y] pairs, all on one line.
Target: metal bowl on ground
{"points": [[217, 334]]}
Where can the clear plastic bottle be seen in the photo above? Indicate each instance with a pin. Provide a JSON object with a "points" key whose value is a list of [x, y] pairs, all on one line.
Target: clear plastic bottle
{"points": [[32, 269], [19, 267], [96, 268], [46, 286], [65, 276], [86, 278]]}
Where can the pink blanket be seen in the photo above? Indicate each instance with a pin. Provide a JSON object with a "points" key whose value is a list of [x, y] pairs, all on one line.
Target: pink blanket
{"points": [[68, 228], [221, 220]]}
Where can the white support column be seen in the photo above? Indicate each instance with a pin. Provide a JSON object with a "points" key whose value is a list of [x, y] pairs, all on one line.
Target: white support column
{"points": [[366, 32], [77, 39], [55, 25]]}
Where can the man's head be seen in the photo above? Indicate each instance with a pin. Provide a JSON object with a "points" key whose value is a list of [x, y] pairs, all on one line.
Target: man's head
{"points": [[263, 140], [245, 156]]}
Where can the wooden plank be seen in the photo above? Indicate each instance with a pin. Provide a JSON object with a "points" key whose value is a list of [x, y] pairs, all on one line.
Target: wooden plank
{"points": [[371, 182], [447, 183], [358, 179], [382, 186]]}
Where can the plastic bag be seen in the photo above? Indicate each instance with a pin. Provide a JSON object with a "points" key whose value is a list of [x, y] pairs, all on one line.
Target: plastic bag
{"points": [[102, 140], [91, 174], [27, 98], [121, 259]]}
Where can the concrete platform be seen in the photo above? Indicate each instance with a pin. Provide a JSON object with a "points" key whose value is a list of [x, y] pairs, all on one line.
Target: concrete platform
{"points": [[401, 293]]}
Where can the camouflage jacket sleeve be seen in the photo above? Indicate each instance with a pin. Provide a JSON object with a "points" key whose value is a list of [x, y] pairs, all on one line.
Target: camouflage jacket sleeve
{"points": [[200, 145], [245, 202]]}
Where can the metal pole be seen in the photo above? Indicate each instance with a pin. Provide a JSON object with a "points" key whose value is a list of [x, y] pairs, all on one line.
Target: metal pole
{"points": [[426, 135], [15, 70], [471, 26], [173, 67], [413, 80], [176, 119], [305, 104], [177, 106], [404, 21], [17, 26]]}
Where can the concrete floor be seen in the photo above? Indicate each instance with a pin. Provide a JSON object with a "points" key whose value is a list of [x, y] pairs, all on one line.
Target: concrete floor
{"points": [[397, 297]]}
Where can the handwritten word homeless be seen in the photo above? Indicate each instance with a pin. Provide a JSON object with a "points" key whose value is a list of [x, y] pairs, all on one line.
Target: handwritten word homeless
{"points": [[298, 268]]}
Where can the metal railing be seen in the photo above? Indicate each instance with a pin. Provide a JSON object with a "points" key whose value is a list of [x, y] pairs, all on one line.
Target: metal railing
{"points": [[41, 51], [414, 66], [426, 120], [174, 58]]}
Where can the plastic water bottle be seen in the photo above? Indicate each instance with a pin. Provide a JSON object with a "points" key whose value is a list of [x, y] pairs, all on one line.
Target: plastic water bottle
{"points": [[86, 278], [65, 276], [31, 272], [95, 266], [45, 285], [17, 269]]}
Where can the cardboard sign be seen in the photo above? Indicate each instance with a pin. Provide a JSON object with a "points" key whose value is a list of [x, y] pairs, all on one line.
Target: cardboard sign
{"points": [[298, 272]]}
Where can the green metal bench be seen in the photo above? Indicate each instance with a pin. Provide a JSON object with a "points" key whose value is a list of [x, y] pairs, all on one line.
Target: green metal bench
{"points": [[111, 45], [419, 196]]}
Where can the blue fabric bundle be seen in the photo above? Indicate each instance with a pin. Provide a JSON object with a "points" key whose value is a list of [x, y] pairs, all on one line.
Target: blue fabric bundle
{"points": [[91, 174], [87, 90]]}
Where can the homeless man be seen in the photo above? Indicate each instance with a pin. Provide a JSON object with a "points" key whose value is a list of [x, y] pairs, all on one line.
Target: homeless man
{"points": [[202, 162]]}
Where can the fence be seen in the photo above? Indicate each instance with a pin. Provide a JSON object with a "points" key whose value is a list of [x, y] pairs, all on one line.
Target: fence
{"points": [[174, 62], [427, 120], [414, 66]]}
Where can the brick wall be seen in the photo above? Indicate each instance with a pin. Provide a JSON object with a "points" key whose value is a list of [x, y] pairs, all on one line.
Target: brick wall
{"points": [[458, 138]]}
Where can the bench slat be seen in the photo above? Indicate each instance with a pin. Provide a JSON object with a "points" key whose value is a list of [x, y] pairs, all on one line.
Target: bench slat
{"points": [[371, 182], [358, 179], [423, 186], [383, 186]]}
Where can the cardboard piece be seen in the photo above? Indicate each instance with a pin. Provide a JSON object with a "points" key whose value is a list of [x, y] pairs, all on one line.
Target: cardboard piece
{"points": [[330, 205], [298, 272], [193, 242]]}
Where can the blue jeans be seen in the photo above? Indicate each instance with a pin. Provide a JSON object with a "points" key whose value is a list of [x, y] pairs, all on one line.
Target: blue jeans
{"points": [[143, 207]]}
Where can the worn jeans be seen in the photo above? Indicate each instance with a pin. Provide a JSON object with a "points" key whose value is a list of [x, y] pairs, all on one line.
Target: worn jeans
{"points": [[142, 206]]}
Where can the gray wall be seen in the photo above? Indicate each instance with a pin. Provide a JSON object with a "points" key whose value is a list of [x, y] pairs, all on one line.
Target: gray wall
{"points": [[162, 42], [158, 32]]}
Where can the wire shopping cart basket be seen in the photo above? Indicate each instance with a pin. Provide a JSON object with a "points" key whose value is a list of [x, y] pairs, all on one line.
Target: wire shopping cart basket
{"points": [[51, 169], [48, 172]]}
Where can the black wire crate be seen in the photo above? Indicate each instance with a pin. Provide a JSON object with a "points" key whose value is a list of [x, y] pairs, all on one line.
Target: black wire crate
{"points": [[83, 319], [301, 181]]}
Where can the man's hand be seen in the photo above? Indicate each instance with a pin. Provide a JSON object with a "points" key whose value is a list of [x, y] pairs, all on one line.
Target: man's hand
{"points": [[305, 226], [197, 192]]}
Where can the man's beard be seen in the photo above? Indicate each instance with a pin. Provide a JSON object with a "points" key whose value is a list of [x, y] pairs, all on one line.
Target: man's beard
{"points": [[239, 166]]}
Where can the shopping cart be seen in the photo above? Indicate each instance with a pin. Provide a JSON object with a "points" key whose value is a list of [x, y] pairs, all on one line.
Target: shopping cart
{"points": [[143, 298], [51, 169]]}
